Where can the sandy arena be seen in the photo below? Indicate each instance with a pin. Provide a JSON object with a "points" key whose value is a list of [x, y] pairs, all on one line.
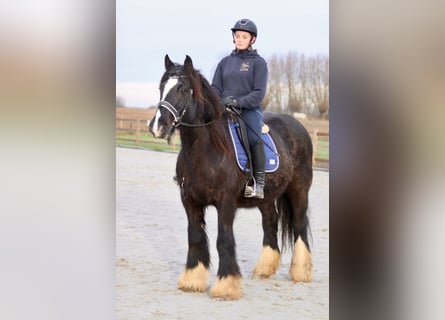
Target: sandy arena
{"points": [[151, 249]]}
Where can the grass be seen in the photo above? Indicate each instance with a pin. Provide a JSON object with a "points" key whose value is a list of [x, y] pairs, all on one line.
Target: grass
{"points": [[147, 141], [323, 149]]}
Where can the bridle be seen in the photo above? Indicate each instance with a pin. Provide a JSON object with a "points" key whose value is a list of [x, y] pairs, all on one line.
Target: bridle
{"points": [[177, 121]]}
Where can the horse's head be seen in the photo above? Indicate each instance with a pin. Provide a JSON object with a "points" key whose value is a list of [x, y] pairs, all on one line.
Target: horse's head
{"points": [[184, 95]]}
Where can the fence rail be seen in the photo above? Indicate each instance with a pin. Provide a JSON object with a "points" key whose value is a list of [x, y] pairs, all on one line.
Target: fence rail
{"points": [[138, 126]]}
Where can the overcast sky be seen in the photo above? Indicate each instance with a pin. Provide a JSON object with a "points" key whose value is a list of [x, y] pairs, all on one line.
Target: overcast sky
{"points": [[147, 30]]}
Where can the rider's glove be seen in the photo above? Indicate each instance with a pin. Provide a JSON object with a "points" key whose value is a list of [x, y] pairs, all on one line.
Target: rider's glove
{"points": [[232, 104]]}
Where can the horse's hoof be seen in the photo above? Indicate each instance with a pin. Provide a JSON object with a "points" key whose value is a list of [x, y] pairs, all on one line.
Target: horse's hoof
{"points": [[226, 288], [194, 280], [301, 265], [268, 263]]}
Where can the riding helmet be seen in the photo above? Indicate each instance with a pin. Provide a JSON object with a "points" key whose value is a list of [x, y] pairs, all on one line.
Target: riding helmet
{"points": [[245, 25]]}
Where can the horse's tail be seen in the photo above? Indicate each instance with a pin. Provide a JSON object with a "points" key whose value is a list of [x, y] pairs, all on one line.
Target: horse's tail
{"points": [[294, 221]]}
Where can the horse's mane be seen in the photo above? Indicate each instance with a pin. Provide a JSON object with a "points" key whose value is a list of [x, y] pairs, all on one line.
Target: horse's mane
{"points": [[209, 101]]}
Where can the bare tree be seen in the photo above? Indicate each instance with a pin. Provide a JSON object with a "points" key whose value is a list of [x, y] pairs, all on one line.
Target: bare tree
{"points": [[273, 99], [298, 84], [318, 77]]}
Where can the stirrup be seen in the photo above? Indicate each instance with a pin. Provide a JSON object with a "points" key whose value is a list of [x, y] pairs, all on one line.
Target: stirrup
{"points": [[249, 190], [259, 195]]}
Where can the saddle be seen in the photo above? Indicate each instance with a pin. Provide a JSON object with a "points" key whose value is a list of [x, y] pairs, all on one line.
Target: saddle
{"points": [[238, 134]]}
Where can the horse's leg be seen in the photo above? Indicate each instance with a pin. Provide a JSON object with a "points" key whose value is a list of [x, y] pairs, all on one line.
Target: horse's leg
{"points": [[269, 260], [301, 266], [228, 282], [196, 273]]}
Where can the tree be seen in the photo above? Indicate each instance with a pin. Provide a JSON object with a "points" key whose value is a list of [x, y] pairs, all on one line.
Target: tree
{"points": [[318, 77], [298, 84], [273, 98], [120, 102], [295, 81]]}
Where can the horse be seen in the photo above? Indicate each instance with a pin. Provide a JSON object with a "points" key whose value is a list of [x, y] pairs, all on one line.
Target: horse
{"points": [[207, 175]]}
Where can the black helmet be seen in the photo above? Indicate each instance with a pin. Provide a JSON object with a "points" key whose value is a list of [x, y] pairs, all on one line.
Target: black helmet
{"points": [[245, 25]]}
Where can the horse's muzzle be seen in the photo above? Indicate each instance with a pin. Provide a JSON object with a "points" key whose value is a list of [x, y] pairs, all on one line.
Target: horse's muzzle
{"points": [[158, 131]]}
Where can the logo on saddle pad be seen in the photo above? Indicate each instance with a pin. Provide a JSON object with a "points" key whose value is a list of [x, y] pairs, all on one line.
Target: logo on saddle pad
{"points": [[272, 158]]}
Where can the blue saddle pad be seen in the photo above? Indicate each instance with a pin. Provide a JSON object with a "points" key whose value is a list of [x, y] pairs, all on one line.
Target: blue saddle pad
{"points": [[272, 158]]}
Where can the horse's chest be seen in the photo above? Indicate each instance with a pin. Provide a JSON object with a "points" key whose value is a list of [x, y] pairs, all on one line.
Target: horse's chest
{"points": [[198, 190], [204, 182]]}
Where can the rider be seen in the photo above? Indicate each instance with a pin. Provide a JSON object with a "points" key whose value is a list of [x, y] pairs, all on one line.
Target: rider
{"points": [[240, 79]]}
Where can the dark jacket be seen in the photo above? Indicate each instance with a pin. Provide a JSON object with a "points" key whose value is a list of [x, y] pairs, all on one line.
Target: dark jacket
{"points": [[242, 75]]}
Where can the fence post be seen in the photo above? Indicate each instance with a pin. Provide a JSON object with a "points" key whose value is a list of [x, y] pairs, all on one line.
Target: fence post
{"points": [[138, 130], [314, 146]]}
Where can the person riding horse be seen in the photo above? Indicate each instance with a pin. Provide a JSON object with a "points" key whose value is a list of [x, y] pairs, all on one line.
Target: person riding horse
{"points": [[240, 80], [208, 175]]}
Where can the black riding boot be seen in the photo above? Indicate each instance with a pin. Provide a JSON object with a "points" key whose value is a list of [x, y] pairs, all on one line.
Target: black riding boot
{"points": [[259, 172]]}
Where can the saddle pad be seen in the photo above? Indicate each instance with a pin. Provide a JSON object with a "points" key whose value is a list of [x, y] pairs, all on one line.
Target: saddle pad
{"points": [[272, 158]]}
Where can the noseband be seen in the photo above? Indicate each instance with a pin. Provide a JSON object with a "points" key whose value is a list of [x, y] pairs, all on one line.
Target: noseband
{"points": [[177, 121]]}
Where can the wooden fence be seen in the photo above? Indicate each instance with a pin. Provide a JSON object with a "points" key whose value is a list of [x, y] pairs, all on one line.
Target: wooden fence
{"points": [[316, 135], [135, 121]]}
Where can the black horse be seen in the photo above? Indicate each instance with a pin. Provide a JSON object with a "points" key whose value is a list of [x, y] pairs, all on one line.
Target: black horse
{"points": [[208, 175]]}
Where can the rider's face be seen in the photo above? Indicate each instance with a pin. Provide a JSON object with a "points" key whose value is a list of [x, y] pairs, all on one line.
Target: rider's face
{"points": [[242, 39]]}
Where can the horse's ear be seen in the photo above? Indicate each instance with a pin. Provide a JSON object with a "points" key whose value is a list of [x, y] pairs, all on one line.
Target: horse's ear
{"points": [[188, 64], [168, 63]]}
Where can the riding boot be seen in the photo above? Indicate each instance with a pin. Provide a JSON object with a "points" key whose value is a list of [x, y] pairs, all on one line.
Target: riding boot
{"points": [[259, 172]]}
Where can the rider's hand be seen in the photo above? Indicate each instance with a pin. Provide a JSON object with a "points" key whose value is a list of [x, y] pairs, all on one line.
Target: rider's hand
{"points": [[232, 104]]}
